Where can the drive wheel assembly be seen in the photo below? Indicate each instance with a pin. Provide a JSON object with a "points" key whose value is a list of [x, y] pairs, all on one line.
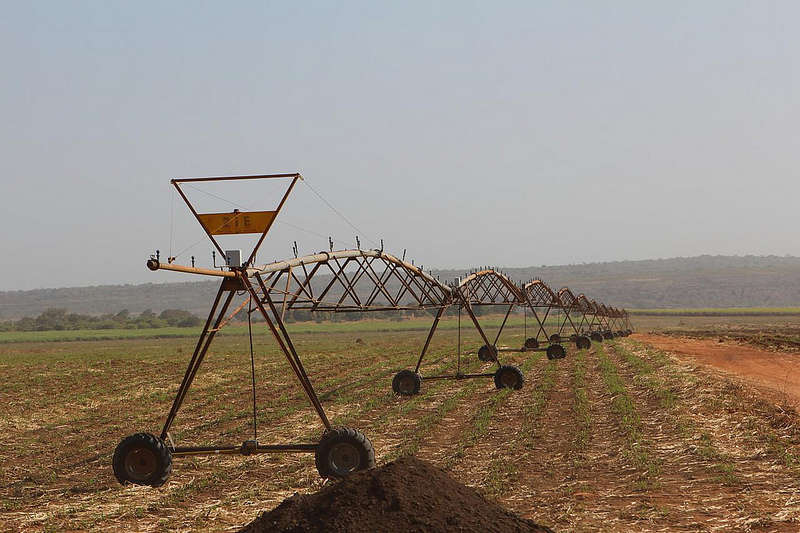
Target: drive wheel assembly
{"points": [[342, 451], [531, 343], [596, 337], [142, 459], [556, 351], [555, 338], [407, 383], [608, 336], [583, 343], [487, 353], [508, 377]]}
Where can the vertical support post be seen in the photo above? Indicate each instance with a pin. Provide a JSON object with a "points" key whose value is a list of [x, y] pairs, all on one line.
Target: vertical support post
{"points": [[203, 343], [458, 350], [291, 355], [430, 336], [510, 307], [479, 328], [252, 366]]}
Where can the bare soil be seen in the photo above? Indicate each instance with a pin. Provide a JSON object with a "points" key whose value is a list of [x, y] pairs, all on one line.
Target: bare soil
{"points": [[404, 495], [773, 370], [672, 444]]}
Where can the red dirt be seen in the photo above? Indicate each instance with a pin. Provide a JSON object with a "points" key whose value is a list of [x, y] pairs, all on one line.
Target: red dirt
{"points": [[776, 371], [405, 495]]}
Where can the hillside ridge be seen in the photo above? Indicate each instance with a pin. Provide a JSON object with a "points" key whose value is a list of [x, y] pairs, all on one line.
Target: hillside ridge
{"points": [[679, 282]]}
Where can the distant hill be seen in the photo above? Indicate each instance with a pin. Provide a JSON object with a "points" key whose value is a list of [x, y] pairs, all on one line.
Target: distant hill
{"points": [[703, 281]]}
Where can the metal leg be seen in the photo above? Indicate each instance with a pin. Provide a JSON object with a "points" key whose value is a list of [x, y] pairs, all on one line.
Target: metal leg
{"points": [[203, 343], [510, 307], [430, 336], [479, 328], [291, 356], [458, 348]]}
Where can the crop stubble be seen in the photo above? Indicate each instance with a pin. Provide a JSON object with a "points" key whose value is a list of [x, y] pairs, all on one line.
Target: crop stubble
{"points": [[702, 451]]}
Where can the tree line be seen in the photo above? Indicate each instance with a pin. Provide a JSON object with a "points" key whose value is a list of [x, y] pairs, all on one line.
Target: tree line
{"points": [[58, 319]]}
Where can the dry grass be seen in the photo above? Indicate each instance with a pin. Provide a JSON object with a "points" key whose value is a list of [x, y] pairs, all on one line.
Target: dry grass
{"points": [[620, 438]]}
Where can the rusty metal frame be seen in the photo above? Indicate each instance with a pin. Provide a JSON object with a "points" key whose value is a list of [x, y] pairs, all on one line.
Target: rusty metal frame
{"points": [[294, 177], [340, 281], [588, 315], [571, 307], [484, 287], [540, 296], [602, 313], [343, 281]]}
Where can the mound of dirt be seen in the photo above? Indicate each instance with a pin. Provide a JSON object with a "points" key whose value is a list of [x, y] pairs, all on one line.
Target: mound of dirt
{"points": [[406, 495]]}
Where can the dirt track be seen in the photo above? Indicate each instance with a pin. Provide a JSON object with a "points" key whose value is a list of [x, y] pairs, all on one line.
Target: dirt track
{"points": [[776, 371]]}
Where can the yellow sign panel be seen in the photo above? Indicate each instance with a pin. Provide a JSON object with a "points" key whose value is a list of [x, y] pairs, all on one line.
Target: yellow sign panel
{"points": [[236, 222]]}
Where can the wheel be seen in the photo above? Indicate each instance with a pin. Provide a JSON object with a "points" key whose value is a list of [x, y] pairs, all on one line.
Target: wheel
{"points": [[406, 382], [487, 353], [531, 343], [142, 459], [573, 338], [596, 337], [607, 335], [342, 451], [583, 343], [556, 351], [508, 377], [555, 338]]}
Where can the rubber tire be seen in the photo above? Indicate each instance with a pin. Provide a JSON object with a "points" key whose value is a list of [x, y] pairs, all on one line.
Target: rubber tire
{"points": [[506, 369], [555, 338], [334, 436], [596, 337], [487, 353], [556, 351], [531, 343], [406, 374], [150, 442], [583, 342]]}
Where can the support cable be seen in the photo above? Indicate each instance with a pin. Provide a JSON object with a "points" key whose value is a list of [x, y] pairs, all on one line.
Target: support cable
{"points": [[458, 364], [252, 365]]}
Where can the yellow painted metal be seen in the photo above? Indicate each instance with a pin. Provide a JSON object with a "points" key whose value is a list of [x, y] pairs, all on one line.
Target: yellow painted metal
{"points": [[236, 222]]}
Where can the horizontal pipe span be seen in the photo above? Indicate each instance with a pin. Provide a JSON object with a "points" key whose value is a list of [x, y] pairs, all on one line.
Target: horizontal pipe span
{"points": [[231, 178], [153, 264], [457, 376], [183, 451]]}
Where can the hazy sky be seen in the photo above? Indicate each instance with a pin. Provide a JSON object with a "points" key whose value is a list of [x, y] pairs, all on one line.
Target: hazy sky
{"points": [[506, 133]]}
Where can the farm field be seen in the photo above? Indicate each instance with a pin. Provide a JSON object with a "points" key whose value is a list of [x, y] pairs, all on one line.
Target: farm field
{"points": [[621, 437]]}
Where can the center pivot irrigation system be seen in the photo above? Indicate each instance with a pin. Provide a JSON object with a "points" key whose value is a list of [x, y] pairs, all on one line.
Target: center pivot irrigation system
{"points": [[354, 280]]}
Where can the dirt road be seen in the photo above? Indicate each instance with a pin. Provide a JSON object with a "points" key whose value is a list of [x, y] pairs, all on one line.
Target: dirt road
{"points": [[776, 371]]}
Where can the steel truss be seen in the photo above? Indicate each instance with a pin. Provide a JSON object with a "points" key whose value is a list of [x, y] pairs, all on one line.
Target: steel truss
{"points": [[344, 281], [542, 298], [572, 311], [602, 315], [340, 281]]}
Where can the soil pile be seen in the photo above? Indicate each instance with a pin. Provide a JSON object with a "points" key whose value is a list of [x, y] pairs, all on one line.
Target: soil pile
{"points": [[406, 495]]}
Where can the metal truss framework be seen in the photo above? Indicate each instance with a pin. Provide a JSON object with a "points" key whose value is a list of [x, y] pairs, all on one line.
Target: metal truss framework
{"points": [[571, 307], [345, 281], [489, 287], [341, 281]]}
